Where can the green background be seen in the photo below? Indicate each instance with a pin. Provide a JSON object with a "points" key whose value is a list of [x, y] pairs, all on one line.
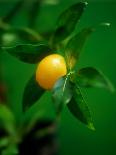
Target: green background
{"points": [[100, 52]]}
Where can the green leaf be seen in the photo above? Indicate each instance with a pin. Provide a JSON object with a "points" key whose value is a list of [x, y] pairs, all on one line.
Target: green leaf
{"points": [[32, 93], [19, 35], [78, 107], [91, 77], [67, 21], [10, 149], [28, 35], [7, 120], [75, 46], [29, 53], [62, 93]]}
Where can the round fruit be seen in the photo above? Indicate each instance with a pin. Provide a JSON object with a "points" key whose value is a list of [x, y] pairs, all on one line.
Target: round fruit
{"points": [[49, 70]]}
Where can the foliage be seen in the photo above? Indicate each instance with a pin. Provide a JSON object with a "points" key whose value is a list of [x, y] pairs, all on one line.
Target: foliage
{"points": [[28, 46]]}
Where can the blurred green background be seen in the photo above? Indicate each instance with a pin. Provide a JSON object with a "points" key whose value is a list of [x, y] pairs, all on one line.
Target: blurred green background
{"points": [[100, 52]]}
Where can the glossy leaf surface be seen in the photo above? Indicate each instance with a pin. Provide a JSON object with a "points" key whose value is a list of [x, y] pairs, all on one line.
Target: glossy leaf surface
{"points": [[29, 53], [62, 93], [91, 77], [79, 109]]}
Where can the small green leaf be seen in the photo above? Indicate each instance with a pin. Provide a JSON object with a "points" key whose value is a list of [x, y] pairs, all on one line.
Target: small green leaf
{"points": [[75, 45], [62, 93], [78, 107], [91, 77], [28, 53], [32, 93], [67, 21], [7, 120]]}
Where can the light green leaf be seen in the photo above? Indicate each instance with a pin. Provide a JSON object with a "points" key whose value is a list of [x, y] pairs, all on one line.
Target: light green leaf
{"points": [[62, 93], [7, 120]]}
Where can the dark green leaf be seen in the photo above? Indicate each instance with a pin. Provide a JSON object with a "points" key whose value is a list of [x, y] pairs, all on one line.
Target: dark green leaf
{"points": [[62, 93], [29, 53], [91, 77], [75, 45], [7, 120], [78, 107], [67, 21], [32, 93]]}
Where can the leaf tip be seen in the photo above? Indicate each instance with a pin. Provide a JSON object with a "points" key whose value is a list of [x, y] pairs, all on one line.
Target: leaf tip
{"points": [[110, 86], [91, 126], [112, 89], [105, 24]]}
